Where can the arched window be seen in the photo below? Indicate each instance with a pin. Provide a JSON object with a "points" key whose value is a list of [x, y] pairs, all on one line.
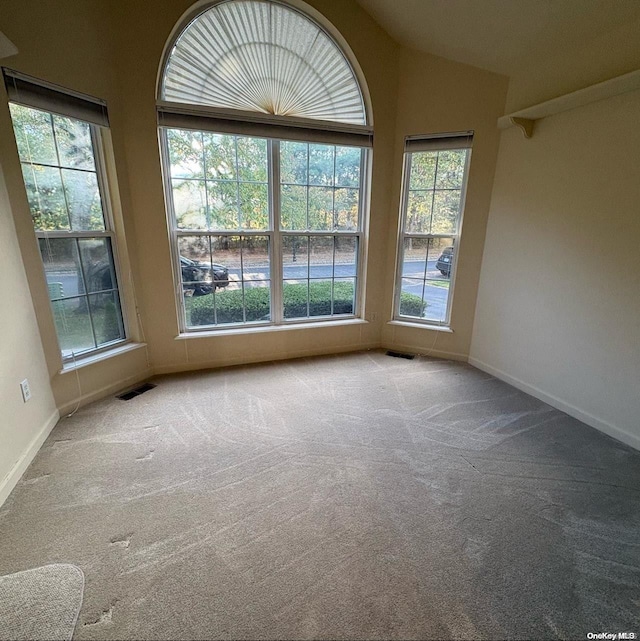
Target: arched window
{"points": [[265, 134]]}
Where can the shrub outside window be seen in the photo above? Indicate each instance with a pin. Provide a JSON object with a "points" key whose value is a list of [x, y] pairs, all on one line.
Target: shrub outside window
{"points": [[64, 180], [434, 186]]}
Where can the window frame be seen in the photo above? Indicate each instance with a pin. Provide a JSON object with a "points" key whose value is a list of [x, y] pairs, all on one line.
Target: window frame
{"points": [[445, 323], [57, 101], [274, 232]]}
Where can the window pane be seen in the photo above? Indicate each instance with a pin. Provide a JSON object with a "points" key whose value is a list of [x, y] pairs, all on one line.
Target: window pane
{"points": [[46, 197], [295, 257], [293, 205], [446, 209], [34, 135], [423, 170], [344, 292], [255, 258], [220, 156], [257, 301], [194, 248], [436, 295], [451, 168], [345, 257], [348, 166], [293, 162], [425, 289], [223, 205], [411, 303], [328, 286], [295, 296], [185, 153], [320, 256], [97, 264], [229, 304], [254, 206], [252, 159], [320, 208], [190, 204], [414, 257], [321, 164], [107, 318], [346, 209], [83, 200], [62, 267], [441, 257], [419, 212], [73, 325], [75, 147], [225, 250], [320, 297], [195, 265]]}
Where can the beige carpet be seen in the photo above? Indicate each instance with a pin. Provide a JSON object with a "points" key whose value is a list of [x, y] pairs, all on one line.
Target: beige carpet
{"points": [[350, 497], [41, 603]]}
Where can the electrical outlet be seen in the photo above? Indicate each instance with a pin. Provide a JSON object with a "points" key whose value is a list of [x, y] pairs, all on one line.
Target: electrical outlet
{"points": [[373, 317], [26, 390]]}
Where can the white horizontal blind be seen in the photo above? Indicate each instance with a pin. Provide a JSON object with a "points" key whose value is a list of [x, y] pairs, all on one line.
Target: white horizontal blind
{"points": [[264, 57], [435, 142], [32, 92]]}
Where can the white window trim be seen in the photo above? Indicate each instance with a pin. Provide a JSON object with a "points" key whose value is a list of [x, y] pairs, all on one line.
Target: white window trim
{"points": [[275, 235], [411, 147]]}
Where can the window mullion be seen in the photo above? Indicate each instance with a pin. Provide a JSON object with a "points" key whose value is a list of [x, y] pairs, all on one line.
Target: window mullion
{"points": [[277, 303]]}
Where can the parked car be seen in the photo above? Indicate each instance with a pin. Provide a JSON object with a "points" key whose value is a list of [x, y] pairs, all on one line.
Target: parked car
{"points": [[443, 264], [202, 278]]}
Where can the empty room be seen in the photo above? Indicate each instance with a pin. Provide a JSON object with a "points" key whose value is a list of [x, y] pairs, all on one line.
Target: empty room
{"points": [[320, 319]]}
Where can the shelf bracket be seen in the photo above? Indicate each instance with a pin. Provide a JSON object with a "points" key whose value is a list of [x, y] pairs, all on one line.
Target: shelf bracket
{"points": [[525, 124]]}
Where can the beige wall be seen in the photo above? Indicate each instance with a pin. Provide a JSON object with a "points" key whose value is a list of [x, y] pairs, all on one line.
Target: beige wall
{"points": [[24, 426], [438, 95], [559, 300]]}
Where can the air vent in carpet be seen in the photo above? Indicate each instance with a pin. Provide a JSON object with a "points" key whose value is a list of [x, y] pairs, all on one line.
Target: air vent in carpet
{"points": [[127, 396], [409, 357]]}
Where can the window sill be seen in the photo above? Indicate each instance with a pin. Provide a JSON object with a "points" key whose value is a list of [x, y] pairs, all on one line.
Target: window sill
{"points": [[435, 328], [261, 329], [90, 359]]}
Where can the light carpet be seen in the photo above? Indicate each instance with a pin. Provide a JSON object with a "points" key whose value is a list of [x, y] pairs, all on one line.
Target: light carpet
{"points": [[350, 497]]}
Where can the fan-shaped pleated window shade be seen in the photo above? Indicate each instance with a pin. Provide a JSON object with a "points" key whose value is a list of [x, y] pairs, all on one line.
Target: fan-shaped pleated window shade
{"points": [[263, 57]]}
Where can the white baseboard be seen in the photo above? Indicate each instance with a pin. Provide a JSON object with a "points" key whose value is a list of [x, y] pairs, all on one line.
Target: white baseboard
{"points": [[11, 479], [593, 421]]}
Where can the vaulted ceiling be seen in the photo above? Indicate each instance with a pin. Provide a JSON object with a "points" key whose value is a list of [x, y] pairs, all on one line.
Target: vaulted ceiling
{"points": [[502, 36]]}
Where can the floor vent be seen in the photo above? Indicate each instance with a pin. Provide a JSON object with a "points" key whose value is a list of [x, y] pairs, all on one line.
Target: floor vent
{"points": [[127, 396], [409, 357]]}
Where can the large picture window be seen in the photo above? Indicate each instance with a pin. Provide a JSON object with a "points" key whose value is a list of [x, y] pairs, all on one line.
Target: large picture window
{"points": [[434, 185], [251, 250], [266, 138], [66, 188]]}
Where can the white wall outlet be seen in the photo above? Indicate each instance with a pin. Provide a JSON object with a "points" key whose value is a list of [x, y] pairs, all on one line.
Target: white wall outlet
{"points": [[26, 390]]}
